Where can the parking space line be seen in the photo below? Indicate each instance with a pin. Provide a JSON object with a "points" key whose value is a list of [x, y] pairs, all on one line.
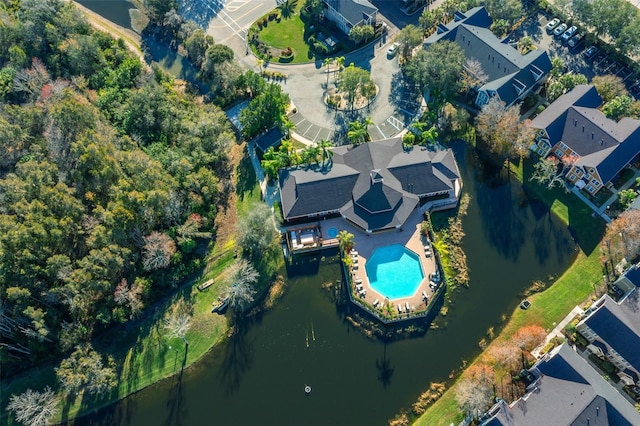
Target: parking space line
{"points": [[381, 132]]}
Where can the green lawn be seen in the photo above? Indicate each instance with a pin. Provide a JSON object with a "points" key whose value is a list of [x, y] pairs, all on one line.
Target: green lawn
{"points": [[547, 308], [289, 32], [550, 306], [586, 229]]}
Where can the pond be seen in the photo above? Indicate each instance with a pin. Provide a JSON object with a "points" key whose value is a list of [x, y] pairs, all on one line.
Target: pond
{"points": [[259, 375], [116, 11]]}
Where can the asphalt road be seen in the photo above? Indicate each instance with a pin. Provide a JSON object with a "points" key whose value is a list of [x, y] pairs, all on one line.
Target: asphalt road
{"points": [[390, 111]]}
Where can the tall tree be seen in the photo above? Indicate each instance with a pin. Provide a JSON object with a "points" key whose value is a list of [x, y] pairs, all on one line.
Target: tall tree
{"points": [[178, 322], [157, 251], [361, 33], [409, 37], [437, 68], [33, 408], [609, 86], [256, 232], [241, 290], [475, 390], [345, 240], [500, 128], [325, 146], [622, 237], [352, 80], [84, 370], [618, 107]]}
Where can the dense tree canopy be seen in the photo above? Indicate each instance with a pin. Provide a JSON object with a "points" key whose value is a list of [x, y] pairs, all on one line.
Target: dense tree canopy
{"points": [[437, 68], [110, 174]]}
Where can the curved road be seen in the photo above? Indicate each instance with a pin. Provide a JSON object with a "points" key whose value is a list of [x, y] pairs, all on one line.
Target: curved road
{"points": [[305, 82]]}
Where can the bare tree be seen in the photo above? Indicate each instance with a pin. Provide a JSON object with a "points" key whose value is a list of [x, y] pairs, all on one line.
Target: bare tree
{"points": [[507, 355], [501, 129], [550, 171], [622, 237], [473, 75], [474, 391], [178, 322], [34, 408], [129, 295], [241, 290], [84, 370], [528, 337], [158, 249]]}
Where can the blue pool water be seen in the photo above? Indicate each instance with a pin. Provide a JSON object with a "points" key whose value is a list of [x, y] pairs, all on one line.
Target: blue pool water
{"points": [[394, 271], [332, 232]]}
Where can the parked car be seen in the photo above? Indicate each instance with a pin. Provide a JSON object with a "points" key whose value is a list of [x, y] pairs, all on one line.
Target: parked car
{"points": [[590, 52], [393, 49], [568, 34], [559, 30], [576, 40], [525, 304], [552, 24]]}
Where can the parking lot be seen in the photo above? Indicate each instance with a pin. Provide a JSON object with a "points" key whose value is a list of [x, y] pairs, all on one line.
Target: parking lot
{"points": [[574, 58]]}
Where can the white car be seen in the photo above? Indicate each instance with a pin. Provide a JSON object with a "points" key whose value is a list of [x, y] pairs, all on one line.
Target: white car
{"points": [[393, 49], [559, 30], [552, 24], [569, 33]]}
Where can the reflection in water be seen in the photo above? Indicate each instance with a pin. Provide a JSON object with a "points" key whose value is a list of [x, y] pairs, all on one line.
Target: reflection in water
{"points": [[116, 11], [257, 376]]}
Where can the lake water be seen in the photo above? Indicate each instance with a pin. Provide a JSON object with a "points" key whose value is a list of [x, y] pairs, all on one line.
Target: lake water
{"points": [[117, 11], [258, 376]]}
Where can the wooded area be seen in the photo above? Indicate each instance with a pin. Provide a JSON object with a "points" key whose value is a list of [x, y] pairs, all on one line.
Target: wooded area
{"points": [[111, 175]]}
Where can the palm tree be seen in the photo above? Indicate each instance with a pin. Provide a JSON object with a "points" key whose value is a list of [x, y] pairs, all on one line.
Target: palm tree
{"points": [[340, 63], [325, 147], [326, 63], [366, 122], [357, 133], [286, 125], [260, 62], [345, 241], [310, 154], [430, 135], [288, 8]]}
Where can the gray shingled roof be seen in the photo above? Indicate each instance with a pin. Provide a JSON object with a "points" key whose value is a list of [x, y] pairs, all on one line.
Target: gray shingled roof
{"points": [[503, 64], [568, 392], [375, 185], [353, 10], [601, 143], [553, 117], [618, 325]]}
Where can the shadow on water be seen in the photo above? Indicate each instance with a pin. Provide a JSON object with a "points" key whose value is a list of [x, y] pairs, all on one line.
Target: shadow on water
{"points": [[385, 370], [116, 11], [496, 200], [237, 357], [258, 374]]}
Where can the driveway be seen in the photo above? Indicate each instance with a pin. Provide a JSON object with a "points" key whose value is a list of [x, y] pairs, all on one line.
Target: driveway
{"points": [[391, 111]]}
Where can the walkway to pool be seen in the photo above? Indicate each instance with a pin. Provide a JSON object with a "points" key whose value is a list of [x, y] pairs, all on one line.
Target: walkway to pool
{"points": [[365, 244]]}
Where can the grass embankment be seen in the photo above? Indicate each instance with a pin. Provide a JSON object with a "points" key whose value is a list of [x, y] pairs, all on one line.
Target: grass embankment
{"points": [[142, 352], [552, 305]]}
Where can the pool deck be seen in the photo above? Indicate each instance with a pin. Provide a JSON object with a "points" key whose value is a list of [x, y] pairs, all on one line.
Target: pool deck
{"points": [[409, 236]]}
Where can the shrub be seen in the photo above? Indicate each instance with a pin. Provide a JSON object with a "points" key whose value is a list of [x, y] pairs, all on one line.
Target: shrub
{"points": [[320, 48], [409, 139]]}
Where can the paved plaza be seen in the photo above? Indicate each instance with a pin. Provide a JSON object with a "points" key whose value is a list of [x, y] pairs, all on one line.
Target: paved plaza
{"points": [[409, 236]]}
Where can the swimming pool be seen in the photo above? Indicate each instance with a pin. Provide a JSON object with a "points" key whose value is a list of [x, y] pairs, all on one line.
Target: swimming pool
{"points": [[394, 271], [332, 232]]}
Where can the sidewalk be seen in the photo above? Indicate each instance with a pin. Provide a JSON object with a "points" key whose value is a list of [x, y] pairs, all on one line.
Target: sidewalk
{"points": [[557, 331]]}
